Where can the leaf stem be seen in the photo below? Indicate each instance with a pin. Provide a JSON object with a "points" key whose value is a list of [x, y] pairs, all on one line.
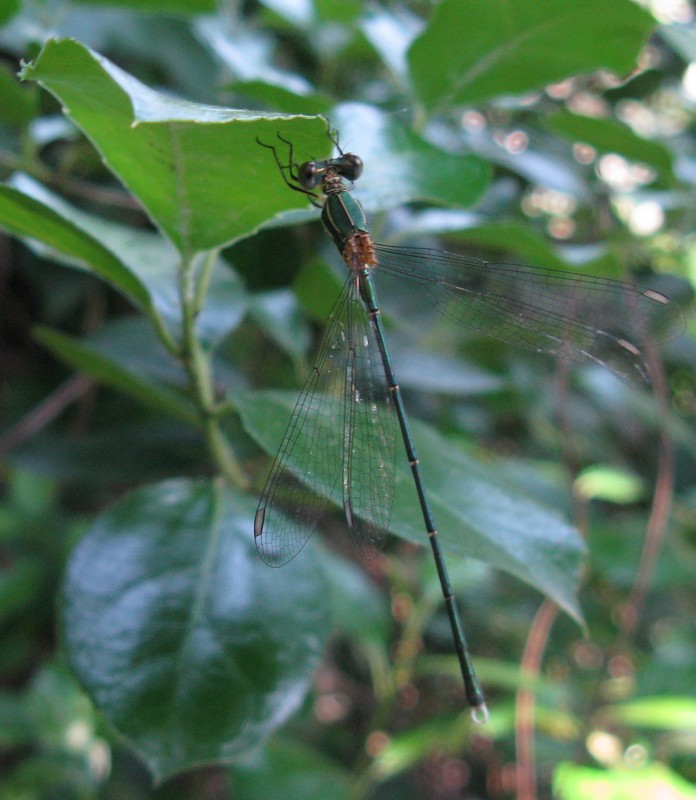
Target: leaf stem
{"points": [[198, 365], [201, 287]]}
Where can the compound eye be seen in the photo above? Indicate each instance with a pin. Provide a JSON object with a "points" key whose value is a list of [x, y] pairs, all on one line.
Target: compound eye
{"points": [[308, 175], [352, 166]]}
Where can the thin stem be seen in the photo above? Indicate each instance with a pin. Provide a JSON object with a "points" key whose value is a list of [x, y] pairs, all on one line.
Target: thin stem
{"points": [[201, 287], [45, 412], [540, 629], [525, 701], [198, 366], [661, 502]]}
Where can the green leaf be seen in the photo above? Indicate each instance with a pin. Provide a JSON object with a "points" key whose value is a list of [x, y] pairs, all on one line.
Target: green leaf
{"points": [[281, 98], [138, 450], [19, 103], [226, 303], [109, 369], [676, 713], [609, 135], [316, 287], [513, 238], [18, 586], [444, 734], [476, 50], [277, 312], [198, 170], [681, 38], [390, 32], [148, 270], [192, 647], [401, 167], [163, 6], [358, 607], [573, 782], [25, 216], [479, 515], [602, 482], [8, 8], [290, 770], [424, 369], [297, 12]]}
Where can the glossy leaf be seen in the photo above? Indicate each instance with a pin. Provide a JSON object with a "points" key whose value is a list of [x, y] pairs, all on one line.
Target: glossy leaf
{"points": [[601, 482], [111, 370], [290, 770], [278, 314], [162, 6], [518, 242], [25, 216], [574, 782], [434, 372], [444, 734], [190, 645], [474, 51], [197, 170], [282, 99], [8, 9], [298, 12], [667, 713], [608, 135], [358, 608], [391, 31], [138, 450], [19, 103], [142, 266], [401, 167], [478, 515], [247, 51]]}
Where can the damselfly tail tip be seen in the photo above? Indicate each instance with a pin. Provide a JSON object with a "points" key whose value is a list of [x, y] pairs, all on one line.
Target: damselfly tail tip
{"points": [[480, 714]]}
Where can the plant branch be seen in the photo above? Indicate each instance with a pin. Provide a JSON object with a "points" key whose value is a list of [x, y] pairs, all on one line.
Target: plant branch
{"points": [[198, 366]]}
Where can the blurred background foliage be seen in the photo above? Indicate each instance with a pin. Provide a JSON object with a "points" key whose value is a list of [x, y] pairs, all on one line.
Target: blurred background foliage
{"points": [[552, 133]]}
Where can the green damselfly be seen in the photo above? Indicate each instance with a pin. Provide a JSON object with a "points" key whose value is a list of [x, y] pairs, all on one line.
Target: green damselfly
{"points": [[341, 439]]}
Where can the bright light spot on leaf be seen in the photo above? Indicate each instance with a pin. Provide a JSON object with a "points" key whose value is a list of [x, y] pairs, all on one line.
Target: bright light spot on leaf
{"points": [[646, 218], [636, 755], [516, 142], [605, 747], [100, 759], [588, 105], [587, 655], [608, 483], [621, 175], [561, 227], [689, 81], [331, 707], [670, 11], [584, 153], [473, 121], [376, 742], [77, 735], [560, 90], [550, 201]]}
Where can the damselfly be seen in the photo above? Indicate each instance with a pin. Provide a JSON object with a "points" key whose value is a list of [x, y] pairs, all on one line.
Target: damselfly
{"points": [[340, 443]]}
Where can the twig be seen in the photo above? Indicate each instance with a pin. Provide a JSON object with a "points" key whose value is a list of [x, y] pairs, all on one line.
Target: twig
{"points": [[661, 504], [525, 700], [45, 412]]}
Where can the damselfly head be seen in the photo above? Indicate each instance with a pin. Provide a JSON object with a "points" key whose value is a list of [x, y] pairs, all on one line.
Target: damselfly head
{"points": [[311, 174], [349, 166]]}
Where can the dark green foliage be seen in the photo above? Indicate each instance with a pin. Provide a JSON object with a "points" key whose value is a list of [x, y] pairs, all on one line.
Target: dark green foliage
{"points": [[160, 284]]}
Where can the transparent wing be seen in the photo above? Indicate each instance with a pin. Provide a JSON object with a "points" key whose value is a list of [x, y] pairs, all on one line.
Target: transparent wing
{"points": [[338, 446], [573, 316], [306, 472], [368, 455]]}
